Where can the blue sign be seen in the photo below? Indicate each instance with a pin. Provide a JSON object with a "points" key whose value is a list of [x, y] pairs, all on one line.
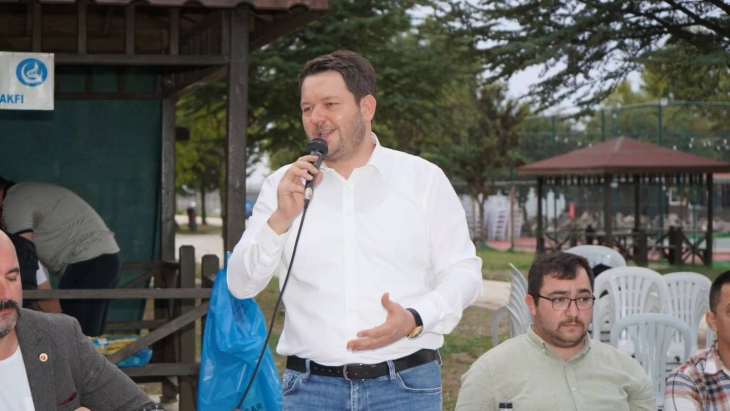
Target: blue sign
{"points": [[32, 72]]}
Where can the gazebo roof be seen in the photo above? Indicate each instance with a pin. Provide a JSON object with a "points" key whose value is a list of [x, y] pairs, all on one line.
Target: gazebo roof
{"points": [[281, 5], [623, 155]]}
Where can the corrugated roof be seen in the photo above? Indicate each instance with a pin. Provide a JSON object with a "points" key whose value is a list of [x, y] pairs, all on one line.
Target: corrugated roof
{"points": [[283, 5], [623, 156]]}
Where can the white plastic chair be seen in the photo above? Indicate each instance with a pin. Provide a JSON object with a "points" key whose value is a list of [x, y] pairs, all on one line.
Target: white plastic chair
{"points": [[598, 254], [688, 298], [516, 308], [652, 335], [631, 290]]}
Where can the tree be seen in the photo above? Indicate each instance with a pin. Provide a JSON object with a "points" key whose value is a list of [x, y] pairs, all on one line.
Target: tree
{"points": [[485, 144], [587, 48], [201, 160], [414, 65]]}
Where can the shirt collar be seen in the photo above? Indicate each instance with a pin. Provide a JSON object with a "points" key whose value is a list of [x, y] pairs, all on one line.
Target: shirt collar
{"points": [[713, 363], [541, 344], [377, 159]]}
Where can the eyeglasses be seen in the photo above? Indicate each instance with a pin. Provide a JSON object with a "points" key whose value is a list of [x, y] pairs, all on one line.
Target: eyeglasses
{"points": [[563, 303]]}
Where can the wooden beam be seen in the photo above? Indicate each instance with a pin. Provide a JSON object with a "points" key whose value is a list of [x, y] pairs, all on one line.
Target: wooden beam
{"points": [[81, 31], [237, 121], [710, 215], [134, 325], [174, 31], [283, 26], [162, 370], [37, 26], [195, 81], [138, 60], [167, 237], [129, 30], [118, 294], [141, 279], [159, 333]]}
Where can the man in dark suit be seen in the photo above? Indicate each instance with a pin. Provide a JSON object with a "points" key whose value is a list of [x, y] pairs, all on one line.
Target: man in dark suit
{"points": [[46, 362]]}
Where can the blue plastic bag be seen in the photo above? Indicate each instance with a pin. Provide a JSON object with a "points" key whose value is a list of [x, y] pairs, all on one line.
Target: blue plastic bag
{"points": [[234, 335]]}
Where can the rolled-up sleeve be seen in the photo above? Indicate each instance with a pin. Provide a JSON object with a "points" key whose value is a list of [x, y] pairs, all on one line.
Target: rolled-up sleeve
{"points": [[456, 268]]}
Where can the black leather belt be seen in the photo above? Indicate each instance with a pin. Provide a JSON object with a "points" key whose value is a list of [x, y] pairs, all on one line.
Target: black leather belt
{"points": [[361, 371]]}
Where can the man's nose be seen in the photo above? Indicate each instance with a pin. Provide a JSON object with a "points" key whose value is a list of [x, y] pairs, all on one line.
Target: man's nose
{"points": [[573, 308], [5, 292], [317, 115]]}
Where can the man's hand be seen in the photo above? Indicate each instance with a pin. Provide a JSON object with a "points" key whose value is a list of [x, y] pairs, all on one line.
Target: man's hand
{"points": [[290, 193], [397, 325]]}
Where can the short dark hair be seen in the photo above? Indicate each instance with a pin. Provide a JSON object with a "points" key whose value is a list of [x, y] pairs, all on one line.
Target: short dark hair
{"points": [[357, 71], [716, 290], [563, 266]]}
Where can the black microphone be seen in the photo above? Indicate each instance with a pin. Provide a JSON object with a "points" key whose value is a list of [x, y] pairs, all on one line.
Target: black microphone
{"points": [[317, 147]]}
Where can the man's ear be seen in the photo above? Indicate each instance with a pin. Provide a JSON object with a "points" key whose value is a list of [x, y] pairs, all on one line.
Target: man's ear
{"points": [[531, 304], [710, 318], [367, 107]]}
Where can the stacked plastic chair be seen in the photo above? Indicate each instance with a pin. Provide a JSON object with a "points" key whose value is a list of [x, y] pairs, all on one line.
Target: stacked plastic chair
{"points": [[516, 308]]}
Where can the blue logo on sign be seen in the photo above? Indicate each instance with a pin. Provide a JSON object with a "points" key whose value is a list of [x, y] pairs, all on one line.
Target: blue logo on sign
{"points": [[32, 72]]}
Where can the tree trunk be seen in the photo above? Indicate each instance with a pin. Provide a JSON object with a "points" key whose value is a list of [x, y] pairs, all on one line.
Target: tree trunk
{"points": [[481, 199], [203, 213]]}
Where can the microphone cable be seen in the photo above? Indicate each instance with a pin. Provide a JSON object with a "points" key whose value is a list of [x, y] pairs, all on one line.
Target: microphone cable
{"points": [[276, 308]]}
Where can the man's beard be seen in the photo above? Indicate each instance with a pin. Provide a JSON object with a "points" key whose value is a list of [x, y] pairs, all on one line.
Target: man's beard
{"points": [[556, 339], [5, 329], [349, 143]]}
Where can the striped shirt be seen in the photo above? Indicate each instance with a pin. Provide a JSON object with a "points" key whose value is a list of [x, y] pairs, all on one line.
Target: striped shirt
{"points": [[702, 383], [65, 228]]}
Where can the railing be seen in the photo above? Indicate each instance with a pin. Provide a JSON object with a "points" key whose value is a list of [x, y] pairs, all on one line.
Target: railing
{"points": [[178, 304]]}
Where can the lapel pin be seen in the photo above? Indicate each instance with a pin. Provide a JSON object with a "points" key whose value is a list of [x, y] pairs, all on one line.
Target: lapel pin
{"points": [[43, 357]]}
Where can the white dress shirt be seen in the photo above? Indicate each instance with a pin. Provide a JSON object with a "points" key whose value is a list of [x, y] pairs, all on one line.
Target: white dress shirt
{"points": [[396, 225]]}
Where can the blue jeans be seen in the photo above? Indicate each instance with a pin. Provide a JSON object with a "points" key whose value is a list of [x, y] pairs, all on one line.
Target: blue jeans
{"points": [[417, 389]]}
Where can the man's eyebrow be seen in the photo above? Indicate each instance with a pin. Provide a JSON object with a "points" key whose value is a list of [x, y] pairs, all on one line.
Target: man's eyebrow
{"points": [[14, 270], [559, 292], [584, 290]]}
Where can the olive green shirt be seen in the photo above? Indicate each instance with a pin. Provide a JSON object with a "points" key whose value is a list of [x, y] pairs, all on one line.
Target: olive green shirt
{"points": [[526, 372]]}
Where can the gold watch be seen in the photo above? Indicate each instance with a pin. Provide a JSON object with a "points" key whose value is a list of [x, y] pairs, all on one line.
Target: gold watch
{"points": [[418, 330]]}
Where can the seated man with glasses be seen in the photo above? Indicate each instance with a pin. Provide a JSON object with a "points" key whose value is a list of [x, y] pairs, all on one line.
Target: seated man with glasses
{"points": [[556, 365]]}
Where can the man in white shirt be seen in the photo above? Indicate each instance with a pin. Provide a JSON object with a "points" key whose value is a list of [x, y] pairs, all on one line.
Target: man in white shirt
{"points": [[384, 268]]}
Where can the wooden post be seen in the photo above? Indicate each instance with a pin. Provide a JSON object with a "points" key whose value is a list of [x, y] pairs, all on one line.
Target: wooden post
{"points": [[81, 37], [168, 180], [237, 118], [37, 39], [710, 216], [677, 241], [186, 335], [608, 212], [641, 249], [129, 37], [210, 268], [540, 239]]}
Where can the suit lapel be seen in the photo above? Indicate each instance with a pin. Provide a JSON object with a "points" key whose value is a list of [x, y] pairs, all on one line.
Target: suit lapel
{"points": [[40, 373]]}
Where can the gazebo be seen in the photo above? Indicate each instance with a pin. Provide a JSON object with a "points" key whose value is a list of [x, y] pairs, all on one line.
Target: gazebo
{"points": [[625, 161]]}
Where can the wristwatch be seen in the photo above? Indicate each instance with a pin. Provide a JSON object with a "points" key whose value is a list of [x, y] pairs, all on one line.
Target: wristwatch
{"points": [[418, 330]]}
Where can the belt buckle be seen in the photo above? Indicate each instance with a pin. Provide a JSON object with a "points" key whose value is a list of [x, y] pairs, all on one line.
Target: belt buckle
{"points": [[344, 372]]}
